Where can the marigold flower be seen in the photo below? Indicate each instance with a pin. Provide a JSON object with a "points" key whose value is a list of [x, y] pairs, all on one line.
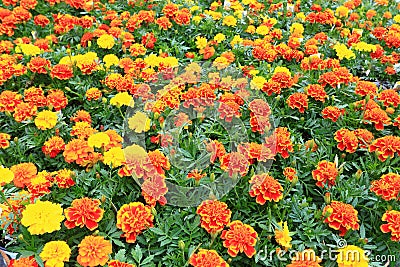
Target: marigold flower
{"points": [[94, 251], [78, 151], [351, 256], [62, 72], [364, 88], [235, 163], [54, 253], [392, 226], [290, 173], [216, 149], [40, 185], [299, 101], [56, 99], [364, 136], [387, 187], [46, 119], [4, 143], [9, 100], [239, 238], [214, 215], [93, 94], [305, 258], [138, 162], [35, 95], [264, 187], [385, 147], [326, 172], [23, 174], [317, 92], [139, 122], [24, 262], [283, 143], [82, 130], [98, 140], [389, 97], [159, 161], [343, 217], [106, 41], [132, 219], [205, 258], [114, 157], [347, 140], [83, 212], [122, 99], [24, 111], [377, 116], [39, 65], [42, 217], [282, 235], [116, 263], [6, 176]]}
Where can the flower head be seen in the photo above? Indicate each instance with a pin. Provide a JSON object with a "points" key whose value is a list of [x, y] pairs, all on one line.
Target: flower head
{"points": [[351, 256], [205, 258], [42, 217], [388, 187], [55, 253], [93, 251], [83, 212], [46, 119], [326, 172], [6, 176], [24, 262], [239, 238], [305, 258], [264, 187], [392, 226], [23, 173], [282, 236], [214, 215], [342, 217], [106, 41]]}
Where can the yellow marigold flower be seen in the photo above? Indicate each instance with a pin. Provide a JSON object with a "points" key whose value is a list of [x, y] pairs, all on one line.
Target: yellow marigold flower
{"points": [[297, 28], [98, 140], [106, 41], [46, 119], [197, 19], [282, 69], [363, 46], [122, 99], [251, 29], [396, 18], [229, 21], [301, 16], [6, 176], [110, 60], [351, 256], [342, 11], [28, 49], [201, 42], [169, 61], [282, 236], [343, 52], [194, 8], [42, 217], [262, 30], [236, 40], [139, 122], [219, 37], [213, 14], [55, 253], [114, 157], [257, 82], [152, 60]]}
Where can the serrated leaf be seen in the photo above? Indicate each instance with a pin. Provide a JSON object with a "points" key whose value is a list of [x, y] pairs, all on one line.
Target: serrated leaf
{"points": [[137, 253], [120, 256]]}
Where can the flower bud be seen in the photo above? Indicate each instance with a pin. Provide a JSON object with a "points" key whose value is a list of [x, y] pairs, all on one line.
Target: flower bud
{"points": [[358, 174], [181, 245], [212, 177], [327, 198], [153, 211]]}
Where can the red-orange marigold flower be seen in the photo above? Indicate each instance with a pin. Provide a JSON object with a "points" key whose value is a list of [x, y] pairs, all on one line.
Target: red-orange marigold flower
{"points": [[214, 215], [347, 140], [364, 136], [24, 111], [392, 226], [4, 143], [216, 149], [94, 251], [53, 146], [9, 100], [385, 147], [326, 172], [57, 99], [39, 65], [377, 116], [83, 212], [205, 258], [62, 72], [132, 219], [239, 238], [78, 151], [35, 95], [23, 174], [341, 217], [387, 187], [116, 263], [364, 88], [389, 97], [235, 163], [299, 101], [264, 187], [290, 173], [283, 143], [23, 262], [317, 92], [159, 161]]}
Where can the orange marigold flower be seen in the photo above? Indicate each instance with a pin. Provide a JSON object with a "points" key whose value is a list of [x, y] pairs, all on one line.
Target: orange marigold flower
{"points": [[389, 97], [23, 174], [115, 139], [397, 122], [239, 238], [392, 226], [235, 163], [93, 94], [93, 251], [40, 185], [132, 219], [317, 92], [264, 187], [364, 136], [342, 217], [388, 186], [4, 143], [64, 178], [116, 263], [205, 258], [155, 188], [170, 9], [82, 130], [364, 88], [82, 115], [182, 17], [9, 100], [325, 172], [35, 95], [78, 151], [377, 116], [284, 79], [164, 23], [23, 262], [283, 143], [62, 72], [216, 149], [305, 258], [385, 147], [57, 99], [159, 161], [39, 65], [214, 215], [290, 173], [196, 175], [83, 212], [24, 111], [299, 101], [347, 140], [53, 146]]}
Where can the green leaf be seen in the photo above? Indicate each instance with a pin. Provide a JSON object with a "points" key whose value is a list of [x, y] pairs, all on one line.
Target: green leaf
{"points": [[137, 253]]}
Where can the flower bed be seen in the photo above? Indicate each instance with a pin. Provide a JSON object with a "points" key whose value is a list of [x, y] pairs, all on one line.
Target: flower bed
{"points": [[241, 133]]}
